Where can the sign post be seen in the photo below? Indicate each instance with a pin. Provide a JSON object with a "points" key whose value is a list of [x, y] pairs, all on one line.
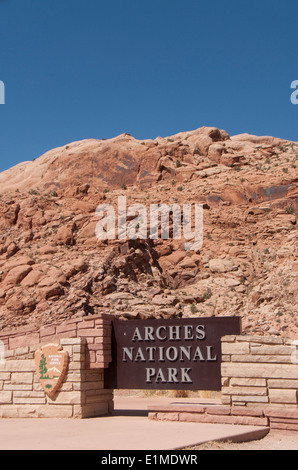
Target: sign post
{"points": [[176, 354]]}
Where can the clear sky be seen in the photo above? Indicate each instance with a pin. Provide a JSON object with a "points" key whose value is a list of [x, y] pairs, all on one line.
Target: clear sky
{"points": [[79, 69]]}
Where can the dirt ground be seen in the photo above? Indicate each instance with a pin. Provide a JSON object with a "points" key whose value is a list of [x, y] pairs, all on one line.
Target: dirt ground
{"points": [[275, 440]]}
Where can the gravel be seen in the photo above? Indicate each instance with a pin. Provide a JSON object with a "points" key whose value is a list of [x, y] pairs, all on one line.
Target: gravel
{"points": [[275, 440]]}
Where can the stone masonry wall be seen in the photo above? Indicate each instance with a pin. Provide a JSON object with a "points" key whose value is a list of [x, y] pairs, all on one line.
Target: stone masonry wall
{"points": [[81, 394], [259, 370], [260, 379], [96, 329], [259, 386]]}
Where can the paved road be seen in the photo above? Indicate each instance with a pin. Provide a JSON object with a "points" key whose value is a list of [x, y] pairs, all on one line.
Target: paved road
{"points": [[128, 429]]}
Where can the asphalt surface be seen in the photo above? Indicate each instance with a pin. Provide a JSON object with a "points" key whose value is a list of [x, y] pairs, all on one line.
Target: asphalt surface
{"points": [[128, 429]]}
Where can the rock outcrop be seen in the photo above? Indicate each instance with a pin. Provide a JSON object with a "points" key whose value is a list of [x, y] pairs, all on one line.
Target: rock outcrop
{"points": [[52, 266]]}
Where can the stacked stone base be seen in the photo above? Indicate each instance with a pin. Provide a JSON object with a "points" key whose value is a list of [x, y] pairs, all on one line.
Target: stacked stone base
{"points": [[81, 395], [259, 386], [272, 418], [283, 420]]}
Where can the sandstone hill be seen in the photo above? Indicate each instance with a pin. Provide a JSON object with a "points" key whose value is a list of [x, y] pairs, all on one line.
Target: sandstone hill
{"points": [[52, 266]]}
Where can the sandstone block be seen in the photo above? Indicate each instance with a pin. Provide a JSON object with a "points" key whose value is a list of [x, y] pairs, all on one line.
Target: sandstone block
{"points": [[4, 376], [229, 339], [75, 366], [235, 348], [250, 399], [281, 412], [258, 340], [23, 340], [30, 401], [9, 386], [261, 359], [275, 350], [47, 331], [218, 410], [282, 383], [225, 358], [92, 375], [72, 341], [95, 409], [89, 386], [9, 411], [74, 377], [258, 391], [54, 411], [167, 416], [243, 381], [5, 397], [67, 398], [248, 411], [86, 324], [22, 378], [249, 420], [60, 329], [283, 396], [285, 420], [90, 332], [25, 365], [286, 371], [283, 426], [66, 387], [78, 357], [21, 351]]}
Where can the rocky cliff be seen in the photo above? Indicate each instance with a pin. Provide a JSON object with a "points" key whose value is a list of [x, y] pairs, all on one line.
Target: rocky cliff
{"points": [[52, 266]]}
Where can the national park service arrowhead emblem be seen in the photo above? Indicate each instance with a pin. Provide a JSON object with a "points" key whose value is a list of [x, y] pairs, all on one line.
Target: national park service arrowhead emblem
{"points": [[51, 364]]}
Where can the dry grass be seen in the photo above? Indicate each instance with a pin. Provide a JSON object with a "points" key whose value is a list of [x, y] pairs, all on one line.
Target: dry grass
{"points": [[168, 393], [275, 440]]}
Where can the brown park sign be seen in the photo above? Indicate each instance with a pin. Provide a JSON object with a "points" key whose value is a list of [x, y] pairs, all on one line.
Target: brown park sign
{"points": [[51, 364], [176, 354]]}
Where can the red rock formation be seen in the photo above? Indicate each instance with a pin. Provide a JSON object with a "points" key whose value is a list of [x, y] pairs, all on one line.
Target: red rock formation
{"points": [[52, 266]]}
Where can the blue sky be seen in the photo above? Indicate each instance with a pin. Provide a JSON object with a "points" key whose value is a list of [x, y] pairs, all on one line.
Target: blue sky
{"points": [[79, 69]]}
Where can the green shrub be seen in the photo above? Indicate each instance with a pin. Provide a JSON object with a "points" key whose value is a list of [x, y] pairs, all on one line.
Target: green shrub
{"points": [[289, 210]]}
